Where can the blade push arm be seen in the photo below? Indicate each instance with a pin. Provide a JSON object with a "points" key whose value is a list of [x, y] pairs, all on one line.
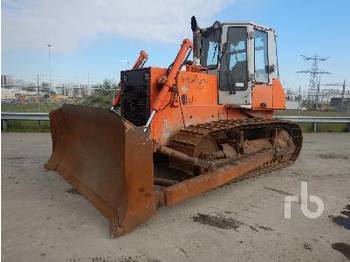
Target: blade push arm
{"points": [[141, 60]]}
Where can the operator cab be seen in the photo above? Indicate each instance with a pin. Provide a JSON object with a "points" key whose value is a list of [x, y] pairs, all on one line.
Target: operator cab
{"points": [[241, 54]]}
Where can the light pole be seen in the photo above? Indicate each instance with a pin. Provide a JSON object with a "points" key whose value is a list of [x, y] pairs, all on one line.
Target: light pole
{"points": [[50, 80]]}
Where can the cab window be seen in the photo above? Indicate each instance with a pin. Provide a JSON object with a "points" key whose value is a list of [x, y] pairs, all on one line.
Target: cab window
{"points": [[210, 48], [213, 51], [261, 57]]}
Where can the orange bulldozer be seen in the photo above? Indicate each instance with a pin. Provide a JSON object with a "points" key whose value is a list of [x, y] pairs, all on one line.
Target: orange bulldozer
{"points": [[176, 132]]}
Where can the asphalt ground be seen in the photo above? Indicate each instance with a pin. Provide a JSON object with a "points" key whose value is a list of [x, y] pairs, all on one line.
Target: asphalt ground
{"points": [[44, 220]]}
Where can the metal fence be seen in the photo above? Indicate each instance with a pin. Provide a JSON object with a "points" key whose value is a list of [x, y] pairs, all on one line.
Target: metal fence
{"points": [[315, 120]]}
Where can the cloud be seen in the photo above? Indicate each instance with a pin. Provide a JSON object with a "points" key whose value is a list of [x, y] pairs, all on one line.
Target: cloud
{"points": [[33, 23]]}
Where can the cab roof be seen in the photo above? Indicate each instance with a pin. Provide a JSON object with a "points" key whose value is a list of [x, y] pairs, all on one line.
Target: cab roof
{"points": [[245, 23]]}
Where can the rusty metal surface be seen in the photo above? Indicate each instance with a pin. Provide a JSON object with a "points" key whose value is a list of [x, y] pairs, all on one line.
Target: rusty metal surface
{"points": [[108, 160], [250, 166], [202, 183]]}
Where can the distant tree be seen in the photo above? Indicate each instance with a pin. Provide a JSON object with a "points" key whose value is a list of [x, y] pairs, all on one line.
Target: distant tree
{"points": [[102, 95], [108, 84]]}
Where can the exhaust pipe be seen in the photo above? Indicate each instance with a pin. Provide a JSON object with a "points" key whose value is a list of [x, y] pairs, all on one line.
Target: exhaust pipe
{"points": [[196, 41]]}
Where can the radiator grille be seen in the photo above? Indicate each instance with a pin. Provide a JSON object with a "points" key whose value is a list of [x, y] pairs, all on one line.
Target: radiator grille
{"points": [[135, 100]]}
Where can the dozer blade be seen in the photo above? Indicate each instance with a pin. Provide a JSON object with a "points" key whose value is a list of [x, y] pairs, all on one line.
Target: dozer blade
{"points": [[108, 160]]}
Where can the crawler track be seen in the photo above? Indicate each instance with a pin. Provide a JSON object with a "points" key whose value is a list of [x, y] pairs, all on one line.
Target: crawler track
{"points": [[189, 139]]}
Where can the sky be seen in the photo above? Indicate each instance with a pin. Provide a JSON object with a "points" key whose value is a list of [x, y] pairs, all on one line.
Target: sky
{"points": [[93, 40]]}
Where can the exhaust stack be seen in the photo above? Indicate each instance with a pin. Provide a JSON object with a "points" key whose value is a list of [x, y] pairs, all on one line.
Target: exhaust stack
{"points": [[196, 41]]}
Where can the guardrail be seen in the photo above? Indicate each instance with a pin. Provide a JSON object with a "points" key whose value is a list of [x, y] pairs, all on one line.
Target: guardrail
{"points": [[26, 116], [315, 120], [22, 116]]}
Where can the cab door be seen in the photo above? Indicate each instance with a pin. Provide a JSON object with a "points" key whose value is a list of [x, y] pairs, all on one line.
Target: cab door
{"points": [[236, 72]]}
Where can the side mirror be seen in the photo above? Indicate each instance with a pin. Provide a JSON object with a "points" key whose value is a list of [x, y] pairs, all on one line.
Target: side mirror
{"points": [[270, 69]]}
